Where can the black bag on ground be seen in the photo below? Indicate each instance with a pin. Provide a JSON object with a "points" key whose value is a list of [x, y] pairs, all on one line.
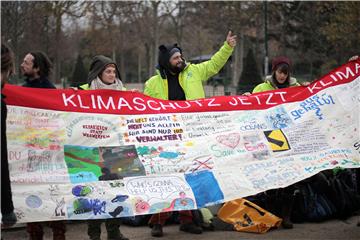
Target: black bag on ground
{"points": [[345, 193], [312, 204]]}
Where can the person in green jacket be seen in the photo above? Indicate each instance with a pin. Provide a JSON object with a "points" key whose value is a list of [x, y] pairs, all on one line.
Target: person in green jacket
{"points": [[178, 80], [280, 77]]}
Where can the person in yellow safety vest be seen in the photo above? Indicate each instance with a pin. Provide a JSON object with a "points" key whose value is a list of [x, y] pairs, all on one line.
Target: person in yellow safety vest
{"points": [[179, 80]]}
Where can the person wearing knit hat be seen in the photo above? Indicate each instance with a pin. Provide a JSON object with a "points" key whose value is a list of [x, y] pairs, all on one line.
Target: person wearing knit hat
{"points": [[280, 77], [178, 80], [103, 74], [170, 65], [280, 60]]}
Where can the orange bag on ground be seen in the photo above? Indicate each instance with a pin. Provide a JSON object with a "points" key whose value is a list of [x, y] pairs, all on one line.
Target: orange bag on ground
{"points": [[248, 217]]}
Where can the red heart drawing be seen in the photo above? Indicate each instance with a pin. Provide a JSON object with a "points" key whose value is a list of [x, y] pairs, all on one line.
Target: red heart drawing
{"points": [[230, 140]]}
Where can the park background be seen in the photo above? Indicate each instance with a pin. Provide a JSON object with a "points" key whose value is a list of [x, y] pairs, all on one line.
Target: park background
{"points": [[316, 36]]}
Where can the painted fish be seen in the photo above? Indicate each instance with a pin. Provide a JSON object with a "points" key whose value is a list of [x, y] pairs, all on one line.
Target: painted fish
{"points": [[116, 212], [120, 198]]}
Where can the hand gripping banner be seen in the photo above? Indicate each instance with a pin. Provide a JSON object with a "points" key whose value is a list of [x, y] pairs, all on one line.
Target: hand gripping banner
{"points": [[172, 155]]}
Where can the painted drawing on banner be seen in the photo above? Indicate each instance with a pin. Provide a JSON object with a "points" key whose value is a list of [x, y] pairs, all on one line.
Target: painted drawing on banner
{"points": [[85, 163]]}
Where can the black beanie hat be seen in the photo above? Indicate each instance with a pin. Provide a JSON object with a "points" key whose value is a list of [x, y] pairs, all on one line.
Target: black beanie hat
{"points": [[165, 53]]}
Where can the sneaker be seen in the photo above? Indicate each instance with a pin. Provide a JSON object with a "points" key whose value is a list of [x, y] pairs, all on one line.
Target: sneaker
{"points": [[9, 219], [157, 231], [190, 228]]}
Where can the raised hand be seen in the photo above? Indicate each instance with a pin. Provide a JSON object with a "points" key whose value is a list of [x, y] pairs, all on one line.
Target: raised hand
{"points": [[231, 39]]}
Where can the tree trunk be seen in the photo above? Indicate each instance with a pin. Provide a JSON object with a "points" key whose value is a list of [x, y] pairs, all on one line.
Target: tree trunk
{"points": [[235, 65], [122, 67], [148, 59], [180, 30], [155, 42], [241, 56], [57, 47], [139, 67]]}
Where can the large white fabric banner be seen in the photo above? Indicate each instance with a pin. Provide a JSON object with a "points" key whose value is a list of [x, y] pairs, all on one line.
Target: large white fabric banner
{"points": [[172, 155]]}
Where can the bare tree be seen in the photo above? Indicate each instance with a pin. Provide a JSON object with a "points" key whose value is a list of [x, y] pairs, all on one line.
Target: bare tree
{"points": [[58, 9], [131, 31], [13, 17]]}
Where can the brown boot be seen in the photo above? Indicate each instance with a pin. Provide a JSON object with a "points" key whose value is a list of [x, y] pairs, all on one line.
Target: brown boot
{"points": [[58, 229], [35, 230]]}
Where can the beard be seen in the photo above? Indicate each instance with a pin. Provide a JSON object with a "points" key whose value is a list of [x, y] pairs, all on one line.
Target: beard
{"points": [[28, 75], [178, 68]]}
